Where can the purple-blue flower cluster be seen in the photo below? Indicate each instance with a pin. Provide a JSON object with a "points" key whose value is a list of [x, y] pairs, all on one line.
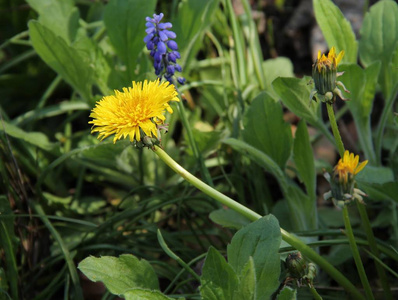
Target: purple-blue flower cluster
{"points": [[159, 41]]}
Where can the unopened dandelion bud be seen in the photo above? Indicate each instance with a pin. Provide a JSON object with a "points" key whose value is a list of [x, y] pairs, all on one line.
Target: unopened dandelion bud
{"points": [[324, 74], [296, 265]]}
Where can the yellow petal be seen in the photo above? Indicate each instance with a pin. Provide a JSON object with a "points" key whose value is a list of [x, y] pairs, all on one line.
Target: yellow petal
{"points": [[361, 166], [339, 57], [346, 156], [332, 53]]}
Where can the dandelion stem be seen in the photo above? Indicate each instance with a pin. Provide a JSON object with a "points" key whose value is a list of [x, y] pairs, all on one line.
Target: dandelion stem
{"points": [[314, 293], [355, 254], [253, 216], [335, 129]]}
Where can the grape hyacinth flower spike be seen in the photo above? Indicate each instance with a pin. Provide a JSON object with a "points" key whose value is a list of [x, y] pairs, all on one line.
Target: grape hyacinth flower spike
{"points": [[159, 41]]}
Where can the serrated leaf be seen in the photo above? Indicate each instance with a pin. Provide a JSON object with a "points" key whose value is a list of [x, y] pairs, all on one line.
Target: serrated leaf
{"points": [[287, 293], [125, 25], [266, 130], [218, 281], [141, 294], [379, 40], [304, 159], [192, 19], [59, 15], [336, 29], [259, 240], [247, 282], [37, 139], [228, 218], [119, 274], [63, 59]]}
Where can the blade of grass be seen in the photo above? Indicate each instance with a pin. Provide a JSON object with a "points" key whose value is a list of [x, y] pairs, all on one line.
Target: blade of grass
{"points": [[67, 256], [175, 256]]}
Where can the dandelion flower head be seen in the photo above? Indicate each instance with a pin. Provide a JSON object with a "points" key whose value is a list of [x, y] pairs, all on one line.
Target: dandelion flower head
{"points": [[330, 61], [349, 164], [135, 112]]}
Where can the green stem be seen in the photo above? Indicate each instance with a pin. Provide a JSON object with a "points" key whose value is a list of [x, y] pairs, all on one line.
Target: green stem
{"points": [[314, 293], [174, 256], [355, 254], [253, 216], [335, 129], [373, 247]]}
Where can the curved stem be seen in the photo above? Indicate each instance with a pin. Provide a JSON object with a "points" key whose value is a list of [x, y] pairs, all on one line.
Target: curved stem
{"points": [[314, 293], [253, 216], [335, 129], [355, 254]]}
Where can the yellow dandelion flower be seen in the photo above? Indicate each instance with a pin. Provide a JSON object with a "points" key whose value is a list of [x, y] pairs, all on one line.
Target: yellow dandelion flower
{"points": [[135, 110], [348, 165], [330, 61]]}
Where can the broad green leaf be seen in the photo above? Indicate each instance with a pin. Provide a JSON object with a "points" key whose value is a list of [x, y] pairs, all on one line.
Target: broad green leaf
{"points": [[63, 59], [287, 293], [228, 218], [59, 15], [303, 214], [379, 39], [304, 159], [218, 281], [266, 130], [259, 158], [142, 294], [206, 141], [377, 175], [101, 65], [37, 139], [247, 282], [104, 154], [336, 29], [274, 68], [8, 243], [379, 32], [191, 21], [259, 240], [380, 192], [362, 85], [119, 274], [295, 95], [125, 24]]}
